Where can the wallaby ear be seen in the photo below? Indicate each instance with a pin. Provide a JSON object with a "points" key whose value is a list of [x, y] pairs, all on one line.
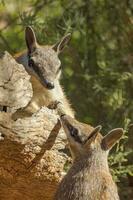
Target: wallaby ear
{"points": [[59, 46], [111, 138], [93, 134], [30, 39]]}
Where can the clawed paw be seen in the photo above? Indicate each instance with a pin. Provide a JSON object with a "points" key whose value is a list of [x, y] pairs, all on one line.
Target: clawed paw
{"points": [[54, 105]]}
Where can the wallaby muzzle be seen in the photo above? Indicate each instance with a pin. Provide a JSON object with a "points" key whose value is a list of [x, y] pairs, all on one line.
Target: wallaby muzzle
{"points": [[66, 120]]}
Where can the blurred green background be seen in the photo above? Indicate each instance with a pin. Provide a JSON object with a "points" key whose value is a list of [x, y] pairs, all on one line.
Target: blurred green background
{"points": [[97, 65]]}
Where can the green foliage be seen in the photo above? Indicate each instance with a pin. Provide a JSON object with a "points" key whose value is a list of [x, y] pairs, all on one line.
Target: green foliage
{"points": [[97, 65]]}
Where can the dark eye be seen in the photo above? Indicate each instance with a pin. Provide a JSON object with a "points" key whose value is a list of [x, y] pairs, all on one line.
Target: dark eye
{"points": [[74, 132], [30, 63]]}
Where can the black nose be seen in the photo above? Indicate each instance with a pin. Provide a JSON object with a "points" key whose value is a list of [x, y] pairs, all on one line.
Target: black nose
{"points": [[49, 85], [62, 116]]}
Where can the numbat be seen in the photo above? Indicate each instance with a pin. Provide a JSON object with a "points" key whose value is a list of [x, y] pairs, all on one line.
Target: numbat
{"points": [[89, 177], [43, 64]]}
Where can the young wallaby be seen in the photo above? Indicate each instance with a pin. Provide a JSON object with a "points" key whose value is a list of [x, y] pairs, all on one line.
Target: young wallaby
{"points": [[89, 177], [44, 66]]}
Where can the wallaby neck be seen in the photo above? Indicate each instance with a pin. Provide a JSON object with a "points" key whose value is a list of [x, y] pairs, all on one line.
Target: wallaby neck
{"points": [[93, 162], [57, 92], [88, 179]]}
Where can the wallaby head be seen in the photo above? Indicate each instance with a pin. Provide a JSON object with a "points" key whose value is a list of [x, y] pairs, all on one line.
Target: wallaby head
{"points": [[43, 61], [85, 140]]}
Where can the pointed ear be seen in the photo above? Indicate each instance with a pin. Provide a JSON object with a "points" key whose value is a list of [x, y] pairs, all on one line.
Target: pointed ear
{"points": [[93, 134], [59, 46], [111, 138], [30, 39]]}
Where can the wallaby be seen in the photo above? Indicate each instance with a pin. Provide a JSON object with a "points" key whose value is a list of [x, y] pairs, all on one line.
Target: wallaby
{"points": [[89, 177], [44, 66]]}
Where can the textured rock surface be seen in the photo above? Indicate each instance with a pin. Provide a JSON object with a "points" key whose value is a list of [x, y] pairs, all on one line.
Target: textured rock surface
{"points": [[32, 154], [15, 88]]}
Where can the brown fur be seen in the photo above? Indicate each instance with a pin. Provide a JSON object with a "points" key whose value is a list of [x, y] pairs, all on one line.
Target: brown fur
{"points": [[89, 177], [43, 64]]}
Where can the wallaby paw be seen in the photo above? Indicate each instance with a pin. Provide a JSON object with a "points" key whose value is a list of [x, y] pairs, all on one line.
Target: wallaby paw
{"points": [[60, 109], [53, 105], [58, 106]]}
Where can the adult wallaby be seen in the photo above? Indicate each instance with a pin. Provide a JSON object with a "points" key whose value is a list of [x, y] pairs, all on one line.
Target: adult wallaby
{"points": [[89, 177], [43, 64]]}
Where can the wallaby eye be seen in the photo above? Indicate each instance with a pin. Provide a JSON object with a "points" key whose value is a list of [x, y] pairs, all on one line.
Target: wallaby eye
{"points": [[30, 62], [74, 132]]}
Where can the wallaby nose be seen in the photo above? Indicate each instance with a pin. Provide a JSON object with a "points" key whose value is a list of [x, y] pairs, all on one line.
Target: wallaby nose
{"points": [[62, 116], [66, 119], [49, 85]]}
